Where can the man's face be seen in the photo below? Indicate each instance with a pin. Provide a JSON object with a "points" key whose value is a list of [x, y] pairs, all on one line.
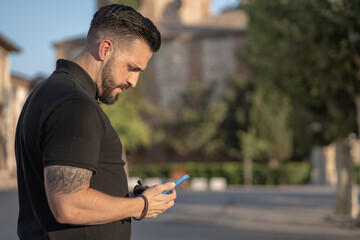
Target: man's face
{"points": [[122, 71]]}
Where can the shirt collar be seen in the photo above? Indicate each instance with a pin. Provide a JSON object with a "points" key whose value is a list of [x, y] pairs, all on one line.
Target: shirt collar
{"points": [[79, 74]]}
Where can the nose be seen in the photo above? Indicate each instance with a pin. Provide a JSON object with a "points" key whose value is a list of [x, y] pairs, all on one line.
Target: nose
{"points": [[132, 81]]}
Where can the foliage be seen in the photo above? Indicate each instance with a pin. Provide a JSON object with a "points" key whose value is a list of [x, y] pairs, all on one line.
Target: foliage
{"points": [[258, 121], [269, 134], [194, 128], [309, 50], [129, 118], [303, 58], [197, 122], [287, 173], [237, 116], [251, 145]]}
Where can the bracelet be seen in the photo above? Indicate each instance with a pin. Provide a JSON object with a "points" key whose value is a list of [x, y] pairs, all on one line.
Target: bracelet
{"points": [[146, 207]]}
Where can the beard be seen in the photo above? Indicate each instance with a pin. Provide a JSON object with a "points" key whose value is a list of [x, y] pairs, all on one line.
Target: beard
{"points": [[108, 84]]}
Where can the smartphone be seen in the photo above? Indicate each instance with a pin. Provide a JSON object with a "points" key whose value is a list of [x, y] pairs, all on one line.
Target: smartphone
{"points": [[177, 183]]}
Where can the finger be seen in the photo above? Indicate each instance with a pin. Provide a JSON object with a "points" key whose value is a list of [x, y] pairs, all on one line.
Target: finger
{"points": [[173, 194], [165, 187], [171, 204], [154, 214]]}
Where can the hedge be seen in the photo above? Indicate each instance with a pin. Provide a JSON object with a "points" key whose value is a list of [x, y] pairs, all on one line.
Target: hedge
{"points": [[286, 173]]}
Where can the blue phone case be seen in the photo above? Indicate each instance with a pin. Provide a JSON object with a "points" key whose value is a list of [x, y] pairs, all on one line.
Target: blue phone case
{"points": [[177, 183]]}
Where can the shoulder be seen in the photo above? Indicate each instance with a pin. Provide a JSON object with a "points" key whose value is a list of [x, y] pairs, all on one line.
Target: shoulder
{"points": [[76, 111], [61, 95]]}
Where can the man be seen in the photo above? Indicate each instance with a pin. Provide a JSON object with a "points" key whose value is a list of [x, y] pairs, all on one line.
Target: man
{"points": [[71, 178]]}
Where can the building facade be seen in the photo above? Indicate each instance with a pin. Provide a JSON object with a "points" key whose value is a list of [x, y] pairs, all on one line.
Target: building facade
{"points": [[13, 93], [196, 46]]}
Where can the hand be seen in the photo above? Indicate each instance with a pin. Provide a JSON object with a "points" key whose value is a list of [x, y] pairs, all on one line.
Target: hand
{"points": [[159, 202]]}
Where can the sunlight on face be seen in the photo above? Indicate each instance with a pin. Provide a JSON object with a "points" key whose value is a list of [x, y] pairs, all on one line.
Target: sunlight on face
{"points": [[108, 84], [122, 71]]}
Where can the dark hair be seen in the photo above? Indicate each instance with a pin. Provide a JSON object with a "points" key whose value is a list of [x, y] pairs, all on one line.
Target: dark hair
{"points": [[125, 24]]}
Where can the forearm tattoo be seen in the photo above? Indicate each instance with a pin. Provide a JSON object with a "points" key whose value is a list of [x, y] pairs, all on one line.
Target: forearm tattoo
{"points": [[66, 179]]}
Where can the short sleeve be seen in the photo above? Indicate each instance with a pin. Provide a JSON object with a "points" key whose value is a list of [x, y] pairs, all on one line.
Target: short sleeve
{"points": [[72, 135]]}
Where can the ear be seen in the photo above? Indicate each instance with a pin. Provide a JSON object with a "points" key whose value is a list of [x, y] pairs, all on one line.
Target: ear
{"points": [[106, 48]]}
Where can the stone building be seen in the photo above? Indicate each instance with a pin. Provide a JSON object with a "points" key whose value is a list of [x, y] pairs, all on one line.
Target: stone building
{"points": [[196, 46], [20, 90], [14, 90]]}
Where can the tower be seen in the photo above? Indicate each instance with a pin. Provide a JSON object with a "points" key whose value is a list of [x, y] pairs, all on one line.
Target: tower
{"points": [[171, 13]]}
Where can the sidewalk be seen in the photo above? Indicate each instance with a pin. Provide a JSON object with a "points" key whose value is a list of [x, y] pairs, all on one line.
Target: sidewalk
{"points": [[305, 211]]}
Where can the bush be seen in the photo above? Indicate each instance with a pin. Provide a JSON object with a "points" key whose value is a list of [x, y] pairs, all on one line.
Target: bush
{"points": [[287, 173], [234, 173]]}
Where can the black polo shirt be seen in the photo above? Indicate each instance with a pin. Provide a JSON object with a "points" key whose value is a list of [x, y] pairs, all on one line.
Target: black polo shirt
{"points": [[62, 124]]}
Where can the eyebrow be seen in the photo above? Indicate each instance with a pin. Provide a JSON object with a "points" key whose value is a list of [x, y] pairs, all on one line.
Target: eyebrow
{"points": [[134, 67]]}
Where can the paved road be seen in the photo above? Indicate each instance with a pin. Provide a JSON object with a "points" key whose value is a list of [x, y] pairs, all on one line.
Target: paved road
{"points": [[285, 213], [278, 213], [8, 214]]}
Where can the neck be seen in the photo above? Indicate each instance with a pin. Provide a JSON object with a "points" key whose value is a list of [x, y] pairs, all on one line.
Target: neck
{"points": [[89, 64]]}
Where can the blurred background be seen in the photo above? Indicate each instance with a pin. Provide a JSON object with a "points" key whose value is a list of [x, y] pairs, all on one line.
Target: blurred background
{"points": [[241, 93]]}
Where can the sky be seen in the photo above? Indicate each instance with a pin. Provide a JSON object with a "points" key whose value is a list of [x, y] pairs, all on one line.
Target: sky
{"points": [[34, 26]]}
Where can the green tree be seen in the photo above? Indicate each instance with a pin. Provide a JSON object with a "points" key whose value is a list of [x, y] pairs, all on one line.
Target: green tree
{"points": [[262, 112], [269, 116], [196, 125], [310, 51], [264, 131], [130, 117], [237, 120]]}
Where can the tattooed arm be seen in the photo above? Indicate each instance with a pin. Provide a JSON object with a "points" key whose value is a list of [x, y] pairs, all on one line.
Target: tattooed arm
{"points": [[66, 179], [72, 201]]}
